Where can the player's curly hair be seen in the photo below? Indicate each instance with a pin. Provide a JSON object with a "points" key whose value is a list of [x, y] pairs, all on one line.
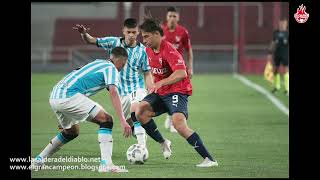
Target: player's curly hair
{"points": [[151, 24]]}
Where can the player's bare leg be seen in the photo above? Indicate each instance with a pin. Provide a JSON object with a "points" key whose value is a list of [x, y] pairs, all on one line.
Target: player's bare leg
{"points": [[56, 143], [180, 123], [105, 122], [144, 114]]}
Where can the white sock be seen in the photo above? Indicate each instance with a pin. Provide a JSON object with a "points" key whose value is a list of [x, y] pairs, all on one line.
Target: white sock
{"points": [[170, 119], [141, 134], [106, 144], [54, 145]]}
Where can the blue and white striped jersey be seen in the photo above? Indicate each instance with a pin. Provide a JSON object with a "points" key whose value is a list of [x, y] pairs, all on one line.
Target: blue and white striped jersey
{"points": [[131, 76], [87, 80]]}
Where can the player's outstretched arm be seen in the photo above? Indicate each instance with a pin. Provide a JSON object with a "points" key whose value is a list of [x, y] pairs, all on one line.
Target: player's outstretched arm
{"points": [[85, 35], [115, 99]]}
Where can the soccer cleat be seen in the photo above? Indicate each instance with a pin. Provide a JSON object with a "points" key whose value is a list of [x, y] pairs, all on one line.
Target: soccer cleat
{"points": [[37, 163], [167, 122], [166, 148], [207, 163], [111, 168]]}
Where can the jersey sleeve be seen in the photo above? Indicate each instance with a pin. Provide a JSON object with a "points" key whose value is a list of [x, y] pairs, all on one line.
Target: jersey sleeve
{"points": [[186, 41], [111, 76], [175, 60], [107, 43], [145, 66]]}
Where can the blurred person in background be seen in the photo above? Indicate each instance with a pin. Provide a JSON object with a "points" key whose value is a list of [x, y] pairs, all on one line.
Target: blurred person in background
{"points": [[278, 54], [179, 37]]}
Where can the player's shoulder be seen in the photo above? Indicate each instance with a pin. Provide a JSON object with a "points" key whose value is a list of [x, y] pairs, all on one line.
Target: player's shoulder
{"points": [[141, 46], [149, 51], [110, 37], [182, 28], [168, 48]]}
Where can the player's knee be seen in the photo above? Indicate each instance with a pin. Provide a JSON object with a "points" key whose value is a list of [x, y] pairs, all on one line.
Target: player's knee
{"points": [[133, 107], [104, 117], [179, 126], [70, 134], [140, 115], [143, 117], [107, 124], [141, 112], [179, 122]]}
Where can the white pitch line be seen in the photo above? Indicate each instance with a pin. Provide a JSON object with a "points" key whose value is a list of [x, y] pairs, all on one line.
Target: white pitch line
{"points": [[263, 91]]}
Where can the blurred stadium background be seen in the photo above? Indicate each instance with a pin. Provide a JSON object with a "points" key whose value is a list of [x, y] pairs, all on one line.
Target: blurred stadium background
{"points": [[226, 36], [245, 131]]}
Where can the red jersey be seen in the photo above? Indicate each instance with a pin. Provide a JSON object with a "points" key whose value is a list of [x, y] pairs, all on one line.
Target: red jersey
{"points": [[163, 64], [179, 38]]}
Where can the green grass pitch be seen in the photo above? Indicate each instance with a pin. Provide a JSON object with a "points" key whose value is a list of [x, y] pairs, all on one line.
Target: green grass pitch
{"points": [[246, 133]]}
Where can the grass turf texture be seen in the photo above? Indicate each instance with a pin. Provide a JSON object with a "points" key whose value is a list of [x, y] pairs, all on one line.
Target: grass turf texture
{"points": [[246, 133]]}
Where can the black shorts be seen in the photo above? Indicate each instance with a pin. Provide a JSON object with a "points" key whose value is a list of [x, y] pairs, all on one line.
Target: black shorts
{"points": [[170, 103], [281, 59]]}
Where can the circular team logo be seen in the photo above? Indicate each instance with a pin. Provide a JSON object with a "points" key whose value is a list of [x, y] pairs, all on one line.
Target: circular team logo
{"points": [[301, 15]]}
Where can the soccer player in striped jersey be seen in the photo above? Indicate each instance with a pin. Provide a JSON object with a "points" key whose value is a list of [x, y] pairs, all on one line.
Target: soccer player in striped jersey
{"points": [[69, 100], [134, 74], [179, 37]]}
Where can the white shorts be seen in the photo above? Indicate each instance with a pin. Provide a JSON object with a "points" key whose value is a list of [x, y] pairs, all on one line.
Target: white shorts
{"points": [[71, 111], [129, 99]]}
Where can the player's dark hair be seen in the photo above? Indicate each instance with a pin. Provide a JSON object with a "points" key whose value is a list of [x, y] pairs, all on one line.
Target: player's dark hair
{"points": [[173, 9], [151, 25], [119, 51], [130, 23]]}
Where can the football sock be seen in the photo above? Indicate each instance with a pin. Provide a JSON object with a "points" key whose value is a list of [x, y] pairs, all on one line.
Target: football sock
{"points": [[140, 133], [286, 81], [106, 144], [152, 130], [132, 129], [55, 144], [195, 141], [277, 81]]}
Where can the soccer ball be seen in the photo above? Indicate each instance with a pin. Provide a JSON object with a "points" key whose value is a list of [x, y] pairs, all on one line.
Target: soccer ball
{"points": [[137, 154]]}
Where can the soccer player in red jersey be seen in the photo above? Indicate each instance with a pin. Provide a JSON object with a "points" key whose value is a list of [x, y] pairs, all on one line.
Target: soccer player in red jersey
{"points": [[179, 37], [170, 92]]}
